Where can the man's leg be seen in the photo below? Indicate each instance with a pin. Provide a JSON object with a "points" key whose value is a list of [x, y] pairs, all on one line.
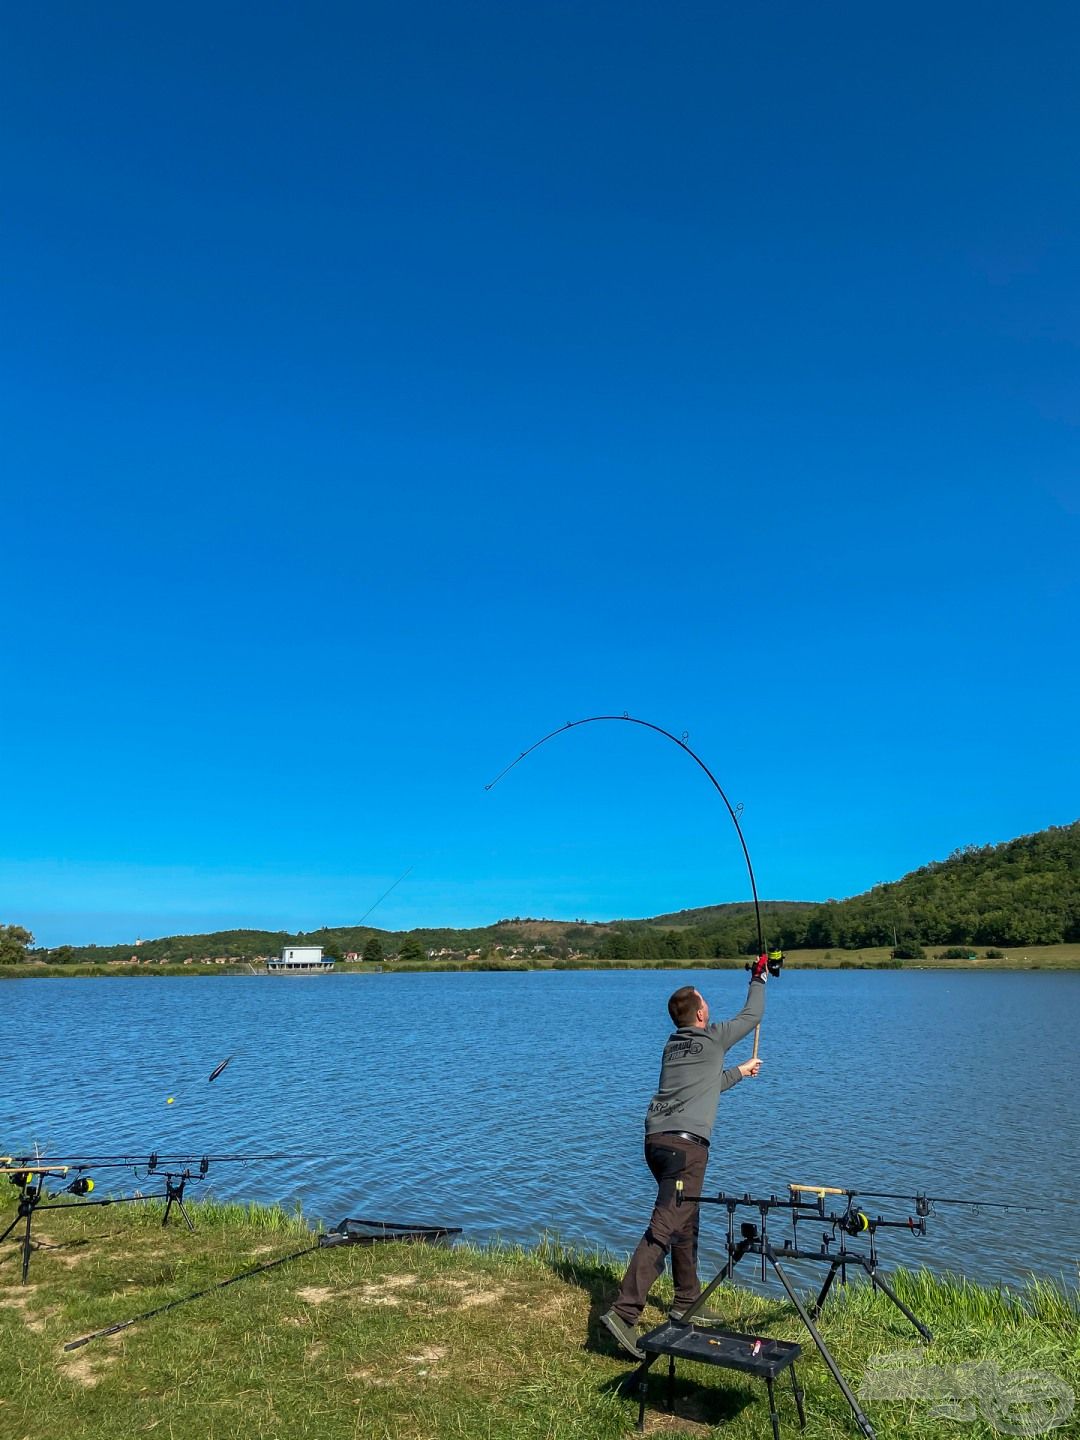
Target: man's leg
{"points": [[684, 1242], [672, 1227]]}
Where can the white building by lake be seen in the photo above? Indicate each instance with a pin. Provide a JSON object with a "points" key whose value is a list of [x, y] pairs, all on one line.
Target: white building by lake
{"points": [[300, 960]]}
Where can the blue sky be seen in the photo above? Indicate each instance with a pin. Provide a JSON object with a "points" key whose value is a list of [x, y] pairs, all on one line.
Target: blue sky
{"points": [[386, 385]]}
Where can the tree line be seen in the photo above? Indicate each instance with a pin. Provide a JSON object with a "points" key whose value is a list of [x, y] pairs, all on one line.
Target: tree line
{"points": [[1023, 892]]}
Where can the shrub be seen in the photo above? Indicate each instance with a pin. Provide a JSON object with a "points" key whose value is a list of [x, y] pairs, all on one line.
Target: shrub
{"points": [[956, 952], [908, 950], [996, 955]]}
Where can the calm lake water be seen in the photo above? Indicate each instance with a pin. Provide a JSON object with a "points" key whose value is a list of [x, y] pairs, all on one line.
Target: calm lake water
{"points": [[511, 1104]]}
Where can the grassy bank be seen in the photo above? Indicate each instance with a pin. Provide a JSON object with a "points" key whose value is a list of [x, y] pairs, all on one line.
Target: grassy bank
{"points": [[1029, 957], [411, 1342]]}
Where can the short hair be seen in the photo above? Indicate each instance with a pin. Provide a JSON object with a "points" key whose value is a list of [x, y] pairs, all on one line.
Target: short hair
{"points": [[684, 1005]]}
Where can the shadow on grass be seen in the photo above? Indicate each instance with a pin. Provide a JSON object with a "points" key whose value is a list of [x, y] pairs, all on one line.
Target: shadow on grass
{"points": [[597, 1276], [36, 1245], [692, 1403]]}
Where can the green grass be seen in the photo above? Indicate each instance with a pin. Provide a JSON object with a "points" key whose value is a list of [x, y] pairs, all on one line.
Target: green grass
{"points": [[403, 1342]]}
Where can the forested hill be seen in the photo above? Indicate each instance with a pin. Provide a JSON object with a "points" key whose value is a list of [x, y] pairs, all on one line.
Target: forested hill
{"points": [[1024, 892]]}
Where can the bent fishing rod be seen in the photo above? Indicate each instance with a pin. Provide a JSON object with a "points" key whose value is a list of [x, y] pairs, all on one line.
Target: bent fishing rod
{"points": [[775, 958], [627, 719]]}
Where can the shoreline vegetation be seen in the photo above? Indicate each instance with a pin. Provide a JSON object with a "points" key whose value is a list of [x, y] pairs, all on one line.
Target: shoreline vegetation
{"points": [[1031, 957], [403, 1342], [1013, 906]]}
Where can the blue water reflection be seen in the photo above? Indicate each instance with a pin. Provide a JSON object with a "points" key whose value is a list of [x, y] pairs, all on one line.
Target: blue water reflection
{"points": [[511, 1104]]}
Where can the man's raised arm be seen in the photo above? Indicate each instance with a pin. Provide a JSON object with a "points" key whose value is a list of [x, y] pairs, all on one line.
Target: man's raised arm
{"points": [[730, 1032]]}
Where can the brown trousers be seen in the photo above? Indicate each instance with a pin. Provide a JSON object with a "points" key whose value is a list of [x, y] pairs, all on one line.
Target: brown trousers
{"points": [[672, 1230]]}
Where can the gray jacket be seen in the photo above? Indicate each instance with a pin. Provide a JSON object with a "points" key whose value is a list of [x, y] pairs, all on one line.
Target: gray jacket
{"points": [[692, 1074]]}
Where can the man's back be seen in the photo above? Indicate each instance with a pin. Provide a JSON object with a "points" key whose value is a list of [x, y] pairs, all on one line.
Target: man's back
{"points": [[692, 1074]]}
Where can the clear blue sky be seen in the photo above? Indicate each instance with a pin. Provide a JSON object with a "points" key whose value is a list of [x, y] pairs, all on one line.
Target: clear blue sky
{"points": [[385, 385]]}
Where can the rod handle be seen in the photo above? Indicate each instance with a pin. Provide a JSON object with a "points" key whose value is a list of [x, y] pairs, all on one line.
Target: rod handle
{"points": [[32, 1169], [816, 1189]]}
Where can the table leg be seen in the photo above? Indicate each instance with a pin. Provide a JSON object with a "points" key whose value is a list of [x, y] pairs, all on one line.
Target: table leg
{"points": [[773, 1416], [798, 1391], [642, 1377]]}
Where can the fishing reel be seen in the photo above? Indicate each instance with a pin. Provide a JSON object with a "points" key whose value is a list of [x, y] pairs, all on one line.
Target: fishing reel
{"points": [[24, 1180], [774, 963], [855, 1222]]}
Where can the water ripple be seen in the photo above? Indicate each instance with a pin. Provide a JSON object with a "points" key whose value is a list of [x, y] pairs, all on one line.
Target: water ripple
{"points": [[512, 1104]]}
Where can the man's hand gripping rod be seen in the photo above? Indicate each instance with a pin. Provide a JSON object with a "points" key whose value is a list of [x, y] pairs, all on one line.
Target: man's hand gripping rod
{"points": [[763, 966]]}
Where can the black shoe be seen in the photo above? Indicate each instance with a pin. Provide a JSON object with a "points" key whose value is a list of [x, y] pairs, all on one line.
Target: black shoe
{"points": [[625, 1334]]}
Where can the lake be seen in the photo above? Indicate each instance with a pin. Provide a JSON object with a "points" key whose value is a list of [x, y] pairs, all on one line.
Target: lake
{"points": [[513, 1104]]}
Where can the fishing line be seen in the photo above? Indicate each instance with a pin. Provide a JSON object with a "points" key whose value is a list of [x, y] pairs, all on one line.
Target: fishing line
{"points": [[383, 896], [627, 719], [217, 1070]]}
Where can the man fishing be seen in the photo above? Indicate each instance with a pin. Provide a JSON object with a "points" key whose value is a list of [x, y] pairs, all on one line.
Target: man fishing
{"points": [[678, 1126]]}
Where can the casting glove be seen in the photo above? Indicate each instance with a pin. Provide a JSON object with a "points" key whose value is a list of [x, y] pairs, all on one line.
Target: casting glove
{"points": [[760, 969]]}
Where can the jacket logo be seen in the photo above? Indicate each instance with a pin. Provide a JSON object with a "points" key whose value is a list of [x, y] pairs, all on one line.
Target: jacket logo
{"points": [[658, 1107], [679, 1049]]}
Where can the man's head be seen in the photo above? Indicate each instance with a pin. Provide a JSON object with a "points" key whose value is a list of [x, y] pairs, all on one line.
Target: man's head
{"points": [[687, 1007]]}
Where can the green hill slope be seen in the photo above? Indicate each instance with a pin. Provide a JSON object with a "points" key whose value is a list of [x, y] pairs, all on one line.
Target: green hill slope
{"points": [[1024, 892]]}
